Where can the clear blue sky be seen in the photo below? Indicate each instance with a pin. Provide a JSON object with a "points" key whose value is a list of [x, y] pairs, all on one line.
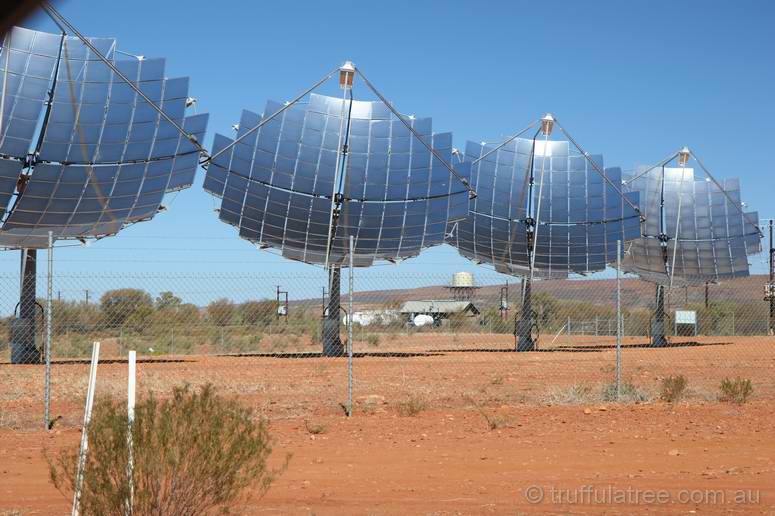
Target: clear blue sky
{"points": [[632, 80]]}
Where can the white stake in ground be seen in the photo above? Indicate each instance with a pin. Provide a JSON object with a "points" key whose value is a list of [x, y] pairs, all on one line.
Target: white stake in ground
{"points": [[95, 357], [130, 407]]}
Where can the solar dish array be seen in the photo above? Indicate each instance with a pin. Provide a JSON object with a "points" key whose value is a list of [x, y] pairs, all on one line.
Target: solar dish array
{"points": [[712, 235], [99, 157], [277, 184], [580, 219], [102, 157]]}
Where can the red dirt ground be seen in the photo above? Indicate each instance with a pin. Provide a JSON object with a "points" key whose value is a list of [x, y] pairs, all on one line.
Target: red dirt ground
{"points": [[445, 459], [449, 462]]}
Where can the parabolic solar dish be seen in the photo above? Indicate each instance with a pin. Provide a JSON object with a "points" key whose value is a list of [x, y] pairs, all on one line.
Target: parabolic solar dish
{"points": [[98, 156], [710, 239], [579, 215], [277, 184]]}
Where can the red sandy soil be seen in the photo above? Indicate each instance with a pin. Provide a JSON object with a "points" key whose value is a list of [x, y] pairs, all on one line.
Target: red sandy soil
{"points": [[450, 462], [446, 459]]}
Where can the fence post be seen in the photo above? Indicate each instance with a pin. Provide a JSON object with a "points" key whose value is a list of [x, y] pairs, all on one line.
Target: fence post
{"points": [[172, 340], [95, 358], [350, 332], [618, 319], [49, 303], [130, 409]]}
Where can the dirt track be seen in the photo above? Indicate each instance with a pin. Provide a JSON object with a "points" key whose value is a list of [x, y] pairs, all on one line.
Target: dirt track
{"points": [[446, 459]]}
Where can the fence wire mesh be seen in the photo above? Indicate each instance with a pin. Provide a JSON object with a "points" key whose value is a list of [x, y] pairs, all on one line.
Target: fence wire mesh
{"points": [[417, 341]]}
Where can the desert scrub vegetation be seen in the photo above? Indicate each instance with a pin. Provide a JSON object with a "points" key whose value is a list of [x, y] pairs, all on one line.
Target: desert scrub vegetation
{"points": [[673, 388], [314, 428], [735, 391], [412, 405], [494, 421], [629, 393], [195, 453], [570, 395]]}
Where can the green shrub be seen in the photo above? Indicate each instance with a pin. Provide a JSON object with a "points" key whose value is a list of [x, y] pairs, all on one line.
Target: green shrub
{"points": [[72, 346], [195, 453], [673, 388], [373, 339], [736, 391]]}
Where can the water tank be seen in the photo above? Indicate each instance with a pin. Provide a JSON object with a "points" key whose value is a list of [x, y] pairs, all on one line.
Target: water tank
{"points": [[422, 320], [463, 279]]}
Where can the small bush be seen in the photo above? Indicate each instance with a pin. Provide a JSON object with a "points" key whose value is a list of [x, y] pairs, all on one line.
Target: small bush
{"points": [[314, 428], [736, 391], [673, 388], [373, 340], [195, 453], [412, 405], [629, 393]]}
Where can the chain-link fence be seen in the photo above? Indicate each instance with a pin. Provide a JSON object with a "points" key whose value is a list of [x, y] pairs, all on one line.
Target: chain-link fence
{"points": [[417, 339]]}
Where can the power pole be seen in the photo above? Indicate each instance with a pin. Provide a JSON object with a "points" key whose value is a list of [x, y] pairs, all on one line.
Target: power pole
{"points": [[87, 295]]}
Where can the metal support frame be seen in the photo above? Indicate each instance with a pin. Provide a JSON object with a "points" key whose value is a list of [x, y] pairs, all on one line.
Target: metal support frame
{"points": [[340, 177], [350, 328], [330, 329], [524, 326], [330, 324], [24, 348], [658, 338], [619, 326]]}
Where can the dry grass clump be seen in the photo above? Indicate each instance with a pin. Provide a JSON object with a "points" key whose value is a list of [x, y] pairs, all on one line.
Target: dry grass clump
{"points": [[494, 421], [673, 388], [628, 393], [412, 405], [576, 394]]}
